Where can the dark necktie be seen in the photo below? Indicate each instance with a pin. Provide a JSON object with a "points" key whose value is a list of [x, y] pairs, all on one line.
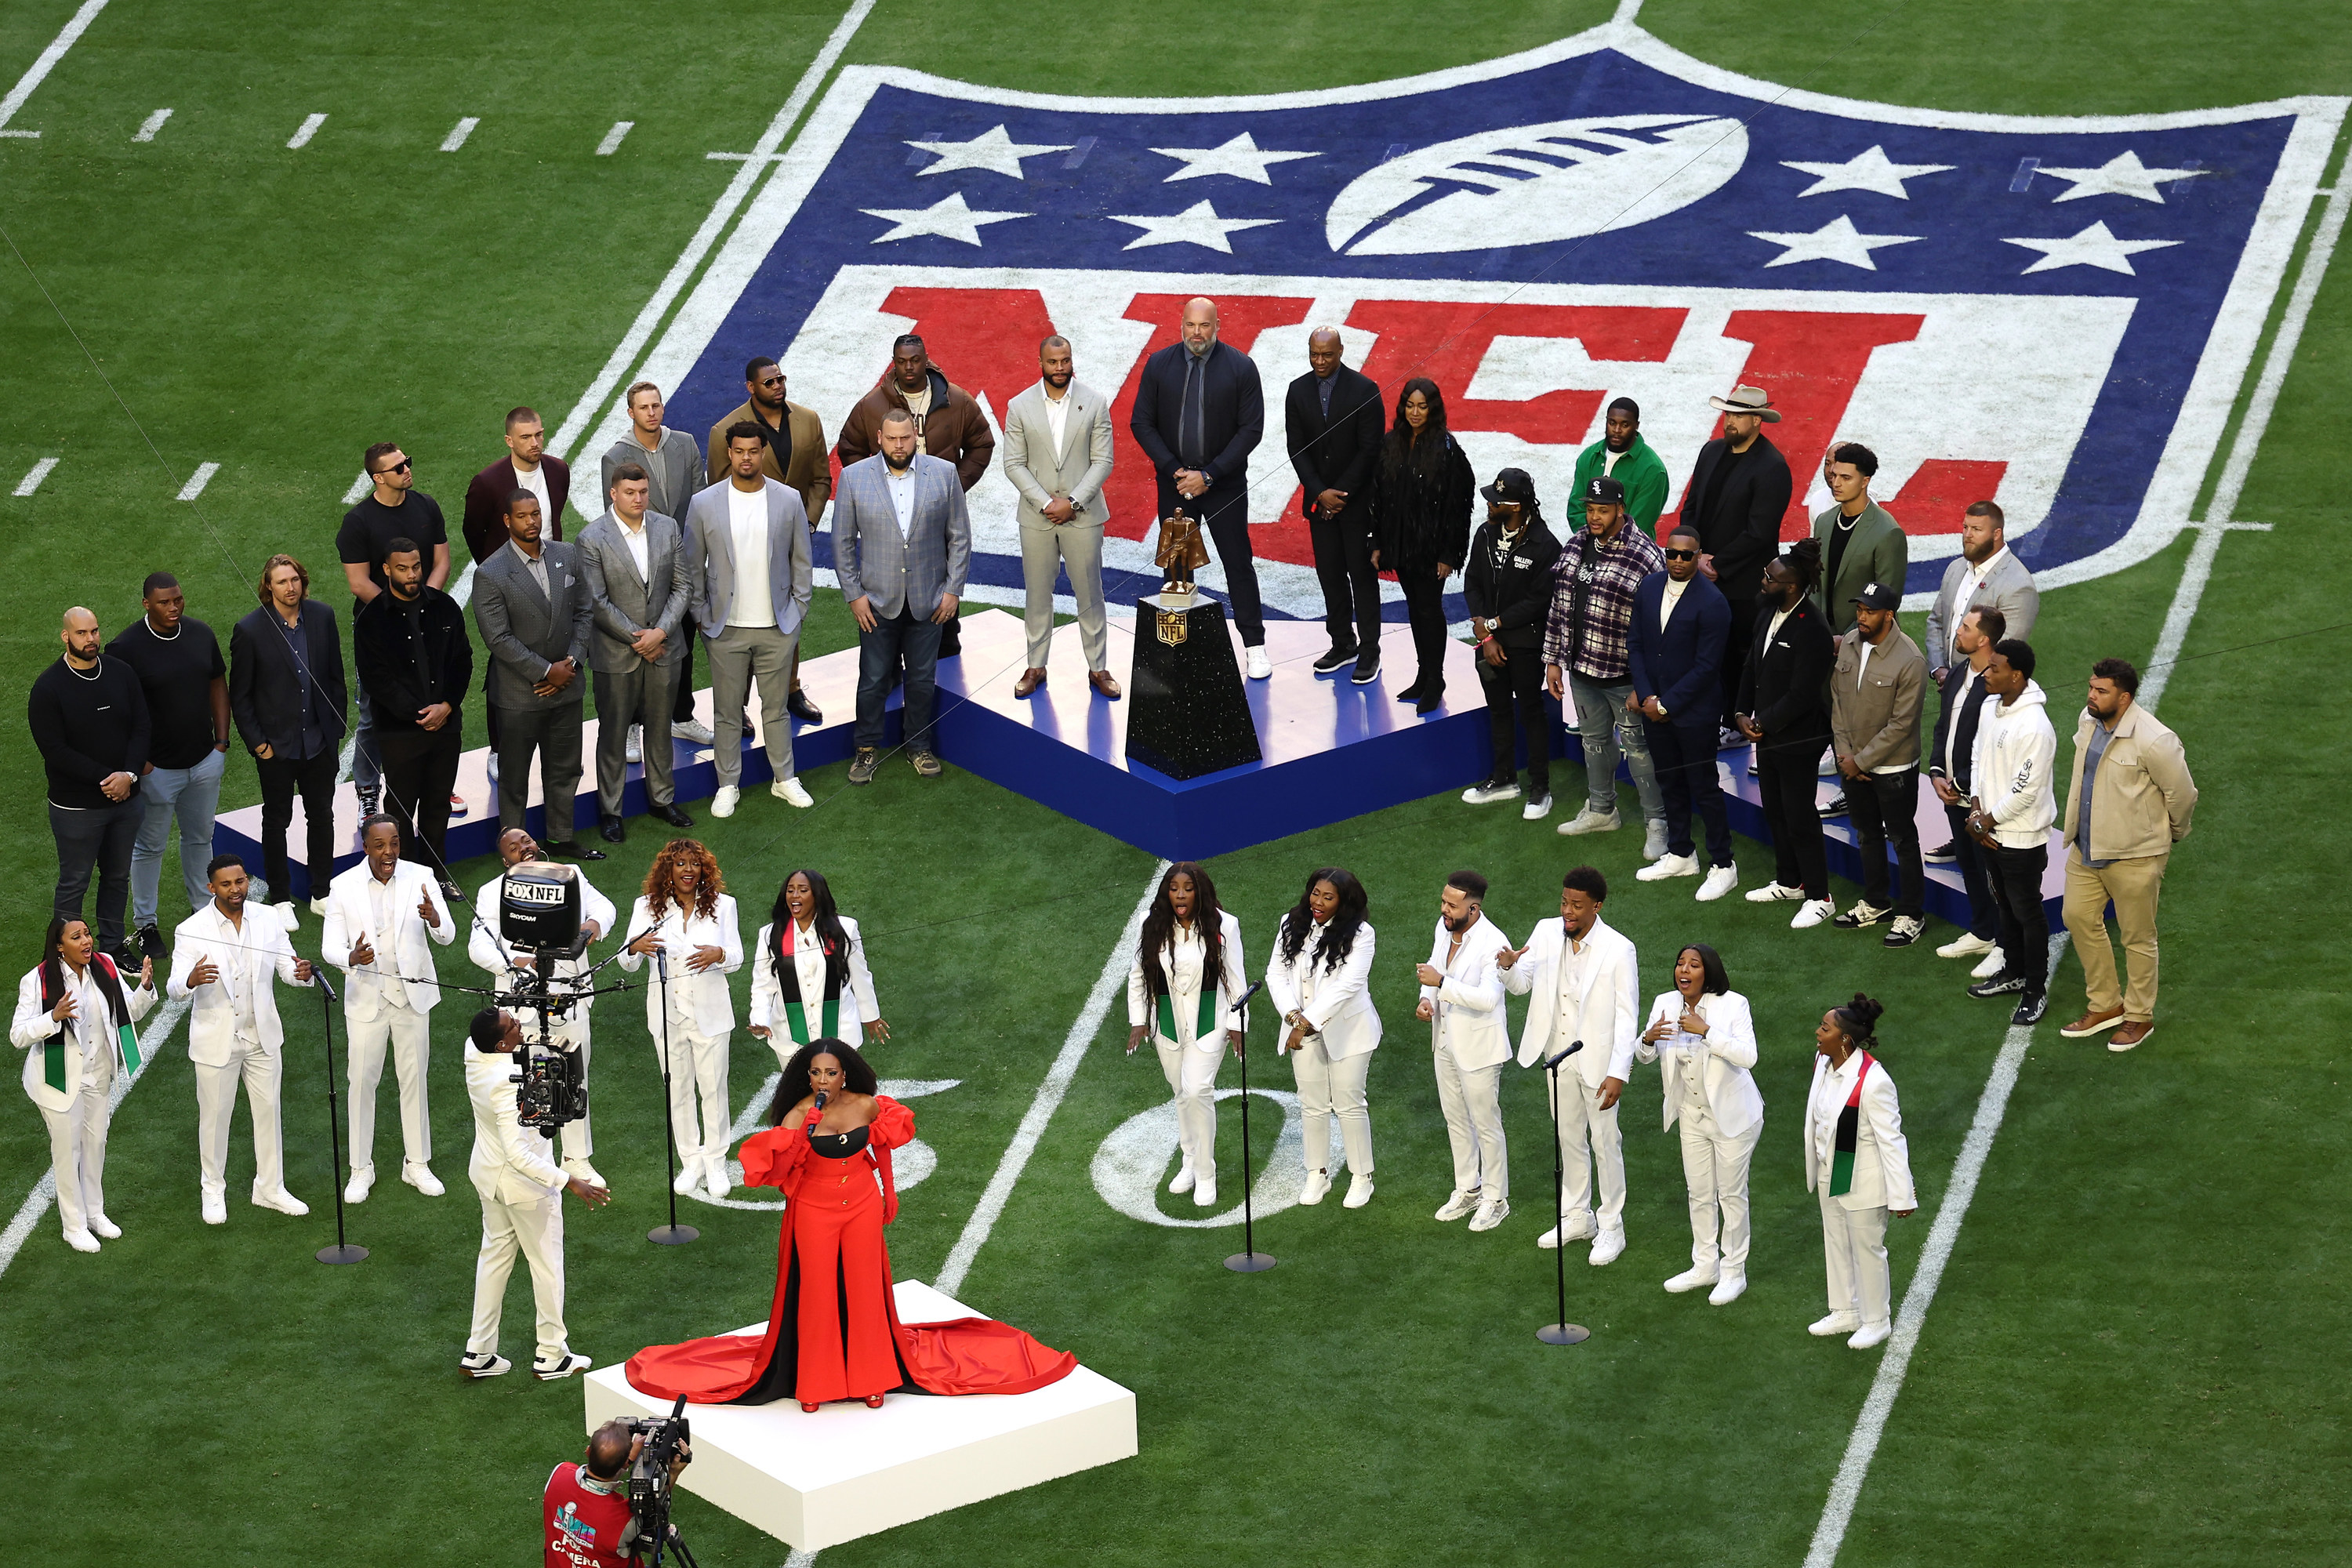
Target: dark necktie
{"points": [[1190, 439], [1323, 386]]}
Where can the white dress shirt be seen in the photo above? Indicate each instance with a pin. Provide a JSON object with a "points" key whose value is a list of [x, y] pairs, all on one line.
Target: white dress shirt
{"points": [[1972, 579], [746, 525], [901, 483], [633, 537], [1058, 418]]}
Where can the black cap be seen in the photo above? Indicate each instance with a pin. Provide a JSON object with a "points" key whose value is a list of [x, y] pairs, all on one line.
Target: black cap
{"points": [[1602, 487], [1879, 597], [1511, 485]]}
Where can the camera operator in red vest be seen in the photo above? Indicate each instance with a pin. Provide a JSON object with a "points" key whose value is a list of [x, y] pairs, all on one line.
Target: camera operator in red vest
{"points": [[586, 1509]]}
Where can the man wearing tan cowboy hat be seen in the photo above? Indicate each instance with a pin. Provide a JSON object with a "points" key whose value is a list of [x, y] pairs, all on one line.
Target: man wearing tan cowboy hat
{"points": [[1738, 491]]}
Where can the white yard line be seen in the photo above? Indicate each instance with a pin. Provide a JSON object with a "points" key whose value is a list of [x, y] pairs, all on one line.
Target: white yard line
{"points": [[612, 142], [46, 63], [458, 133], [583, 414], [359, 487], [198, 480], [2232, 483], [35, 474], [152, 124], [309, 128]]}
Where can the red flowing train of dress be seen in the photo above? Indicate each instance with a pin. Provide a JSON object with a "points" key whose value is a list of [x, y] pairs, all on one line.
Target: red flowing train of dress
{"points": [[832, 1329]]}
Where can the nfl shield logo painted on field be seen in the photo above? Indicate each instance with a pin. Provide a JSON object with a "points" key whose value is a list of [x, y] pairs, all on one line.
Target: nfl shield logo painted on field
{"points": [[2056, 314]]}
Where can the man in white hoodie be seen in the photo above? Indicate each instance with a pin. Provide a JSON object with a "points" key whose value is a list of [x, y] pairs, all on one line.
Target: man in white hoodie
{"points": [[2012, 811]]}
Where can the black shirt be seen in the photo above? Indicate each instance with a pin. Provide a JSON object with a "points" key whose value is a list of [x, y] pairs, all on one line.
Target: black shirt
{"points": [[370, 525], [89, 724], [176, 675], [1705, 512], [1841, 535]]}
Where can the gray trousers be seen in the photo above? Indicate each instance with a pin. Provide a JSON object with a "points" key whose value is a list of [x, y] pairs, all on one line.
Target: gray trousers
{"points": [[554, 734], [640, 697], [1044, 552], [739, 657]]}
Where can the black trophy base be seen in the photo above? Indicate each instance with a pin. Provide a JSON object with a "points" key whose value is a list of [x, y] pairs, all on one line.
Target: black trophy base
{"points": [[1187, 713], [672, 1235], [1250, 1262], [1563, 1333], [342, 1252]]}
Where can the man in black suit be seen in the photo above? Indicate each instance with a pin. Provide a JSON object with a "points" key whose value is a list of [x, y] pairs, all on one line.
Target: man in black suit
{"points": [[413, 661], [1739, 491], [1333, 425], [1198, 413], [1782, 708], [285, 692]]}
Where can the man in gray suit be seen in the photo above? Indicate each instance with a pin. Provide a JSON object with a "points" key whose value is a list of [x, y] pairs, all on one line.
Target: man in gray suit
{"points": [[1057, 455], [747, 555], [1986, 573], [530, 604], [638, 586], [902, 544]]}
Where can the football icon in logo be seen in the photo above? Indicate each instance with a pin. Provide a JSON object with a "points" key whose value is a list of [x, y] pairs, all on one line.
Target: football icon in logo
{"points": [[1531, 185]]}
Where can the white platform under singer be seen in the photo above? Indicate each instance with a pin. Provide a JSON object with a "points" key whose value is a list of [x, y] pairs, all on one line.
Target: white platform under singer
{"points": [[814, 1481]]}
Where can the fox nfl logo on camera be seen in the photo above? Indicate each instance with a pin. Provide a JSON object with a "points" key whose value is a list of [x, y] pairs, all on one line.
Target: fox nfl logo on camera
{"points": [[539, 906]]}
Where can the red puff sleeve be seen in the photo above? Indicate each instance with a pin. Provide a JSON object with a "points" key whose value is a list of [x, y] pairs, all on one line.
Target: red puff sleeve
{"points": [[892, 1126], [771, 1159]]}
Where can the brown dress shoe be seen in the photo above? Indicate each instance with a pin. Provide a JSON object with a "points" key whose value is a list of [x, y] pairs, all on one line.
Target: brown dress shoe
{"points": [[1031, 679], [1103, 683], [2090, 1024], [2130, 1034]]}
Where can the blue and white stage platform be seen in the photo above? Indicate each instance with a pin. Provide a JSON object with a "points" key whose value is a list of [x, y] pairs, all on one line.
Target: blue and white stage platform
{"points": [[1332, 751]]}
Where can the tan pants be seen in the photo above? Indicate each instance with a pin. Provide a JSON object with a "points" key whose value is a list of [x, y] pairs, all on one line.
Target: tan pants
{"points": [[2134, 885]]}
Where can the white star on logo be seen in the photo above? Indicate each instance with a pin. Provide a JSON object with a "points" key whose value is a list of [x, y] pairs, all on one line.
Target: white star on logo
{"points": [[991, 149], [2094, 247], [2124, 175], [1238, 157], [1837, 240], [1864, 172], [1196, 225], [949, 218]]}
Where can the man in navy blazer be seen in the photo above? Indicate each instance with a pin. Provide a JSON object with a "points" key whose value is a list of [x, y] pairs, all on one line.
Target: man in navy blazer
{"points": [[1682, 624], [1200, 413]]}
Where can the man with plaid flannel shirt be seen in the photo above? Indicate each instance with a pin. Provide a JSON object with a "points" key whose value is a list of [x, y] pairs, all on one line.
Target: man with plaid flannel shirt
{"points": [[1586, 655]]}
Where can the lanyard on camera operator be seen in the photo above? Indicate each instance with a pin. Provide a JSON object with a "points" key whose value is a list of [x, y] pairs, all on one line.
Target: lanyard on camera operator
{"points": [[795, 1010], [53, 1049]]}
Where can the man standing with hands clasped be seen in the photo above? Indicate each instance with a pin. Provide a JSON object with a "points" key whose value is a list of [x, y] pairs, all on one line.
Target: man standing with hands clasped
{"points": [[1877, 693], [185, 681], [901, 546], [2009, 818], [88, 717], [1470, 1033], [640, 588], [1057, 455], [1333, 422], [530, 604]]}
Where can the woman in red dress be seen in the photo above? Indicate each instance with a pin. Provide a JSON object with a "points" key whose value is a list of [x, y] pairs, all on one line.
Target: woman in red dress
{"points": [[833, 1330]]}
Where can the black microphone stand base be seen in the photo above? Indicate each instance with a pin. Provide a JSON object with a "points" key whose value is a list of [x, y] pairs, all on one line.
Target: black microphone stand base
{"points": [[672, 1235], [1563, 1333], [1251, 1262], [342, 1252]]}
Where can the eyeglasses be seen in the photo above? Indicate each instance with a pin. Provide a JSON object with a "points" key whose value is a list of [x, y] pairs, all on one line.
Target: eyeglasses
{"points": [[399, 468], [1681, 554], [771, 380]]}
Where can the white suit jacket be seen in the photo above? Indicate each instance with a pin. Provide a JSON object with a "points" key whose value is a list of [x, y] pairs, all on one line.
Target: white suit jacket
{"points": [[489, 951], [246, 959], [859, 1006], [1185, 1003], [1342, 1010], [351, 914], [1469, 1001], [1722, 1058], [703, 998], [511, 1163], [91, 1031], [1882, 1159], [1608, 1014]]}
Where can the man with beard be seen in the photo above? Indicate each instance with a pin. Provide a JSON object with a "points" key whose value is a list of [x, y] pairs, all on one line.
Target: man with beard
{"points": [[411, 652], [1333, 423], [1739, 490], [531, 607], [947, 424], [1986, 575], [672, 460], [1470, 1033], [1781, 706], [1622, 455], [1057, 455], [792, 454]]}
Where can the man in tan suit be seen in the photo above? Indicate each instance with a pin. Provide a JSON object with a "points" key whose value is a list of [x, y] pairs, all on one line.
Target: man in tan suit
{"points": [[796, 456], [1057, 455], [2128, 804]]}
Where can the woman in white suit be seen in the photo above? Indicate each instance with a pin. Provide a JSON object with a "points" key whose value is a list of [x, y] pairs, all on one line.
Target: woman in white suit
{"points": [[1702, 1037], [73, 1013], [686, 914], [1182, 990], [1857, 1160], [811, 981], [1322, 958]]}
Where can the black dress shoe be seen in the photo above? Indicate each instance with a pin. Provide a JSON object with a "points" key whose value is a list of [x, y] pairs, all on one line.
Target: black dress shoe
{"points": [[671, 815], [611, 828], [1943, 854], [573, 849], [801, 708], [149, 941]]}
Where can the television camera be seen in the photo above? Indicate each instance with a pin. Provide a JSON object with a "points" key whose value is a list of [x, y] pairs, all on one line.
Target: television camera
{"points": [[538, 914]]}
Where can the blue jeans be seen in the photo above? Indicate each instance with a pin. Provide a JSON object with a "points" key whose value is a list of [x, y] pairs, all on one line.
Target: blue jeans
{"points": [[191, 794], [367, 758], [1608, 728], [899, 642]]}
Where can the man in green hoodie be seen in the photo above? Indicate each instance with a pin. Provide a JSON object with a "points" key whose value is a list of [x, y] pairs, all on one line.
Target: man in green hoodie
{"points": [[1622, 455]]}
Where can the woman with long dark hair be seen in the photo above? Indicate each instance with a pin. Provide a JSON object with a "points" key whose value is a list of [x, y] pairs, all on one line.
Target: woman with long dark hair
{"points": [[686, 914], [73, 1023], [1421, 526], [1186, 978], [833, 1327], [811, 981], [1858, 1161], [1322, 960], [1702, 1036]]}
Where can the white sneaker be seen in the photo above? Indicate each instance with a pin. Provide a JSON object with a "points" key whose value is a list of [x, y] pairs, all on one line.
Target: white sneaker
{"points": [[1870, 1335], [1988, 966], [1720, 880], [1260, 667], [1607, 1247], [1319, 1182], [1590, 821], [580, 1170], [288, 915], [355, 1191], [318, 908], [1575, 1229], [1834, 1324], [418, 1174], [1536, 810], [282, 1201], [81, 1241], [793, 792], [1775, 893], [1727, 1289], [723, 803], [215, 1208], [1653, 842], [689, 1172], [715, 1180], [483, 1363], [1459, 1204], [1360, 1190], [1689, 1279], [1967, 945], [104, 1228], [1667, 865], [563, 1367], [694, 733], [1182, 1182], [634, 750], [1205, 1192], [1491, 1215], [1487, 794], [1812, 914]]}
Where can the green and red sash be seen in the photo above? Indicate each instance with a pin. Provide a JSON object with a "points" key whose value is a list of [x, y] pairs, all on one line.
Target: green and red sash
{"points": [[795, 1010], [53, 1051], [1849, 1129], [1204, 1027]]}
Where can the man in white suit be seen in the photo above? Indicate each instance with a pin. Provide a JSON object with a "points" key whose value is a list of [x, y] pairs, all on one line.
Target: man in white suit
{"points": [[1580, 973], [223, 964], [522, 1196], [489, 948], [1861, 1166], [383, 917], [1469, 1033], [1984, 573], [1057, 455]]}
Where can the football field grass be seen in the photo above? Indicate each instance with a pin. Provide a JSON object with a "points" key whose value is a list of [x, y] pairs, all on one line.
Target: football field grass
{"points": [[2132, 1356]]}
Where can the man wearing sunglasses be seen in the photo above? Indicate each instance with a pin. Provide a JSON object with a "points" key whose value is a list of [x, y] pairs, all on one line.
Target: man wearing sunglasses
{"points": [[793, 455], [394, 509], [1682, 624]]}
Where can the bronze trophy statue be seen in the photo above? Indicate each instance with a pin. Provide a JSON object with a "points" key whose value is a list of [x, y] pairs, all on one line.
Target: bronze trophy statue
{"points": [[1182, 551]]}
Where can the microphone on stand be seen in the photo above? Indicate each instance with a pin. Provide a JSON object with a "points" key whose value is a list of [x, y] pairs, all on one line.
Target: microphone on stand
{"points": [[673, 1234], [344, 1250], [1559, 1331], [1249, 1260], [1566, 1051]]}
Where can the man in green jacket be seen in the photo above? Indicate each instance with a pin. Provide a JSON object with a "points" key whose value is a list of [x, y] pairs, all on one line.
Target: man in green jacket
{"points": [[1860, 542], [1622, 455]]}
